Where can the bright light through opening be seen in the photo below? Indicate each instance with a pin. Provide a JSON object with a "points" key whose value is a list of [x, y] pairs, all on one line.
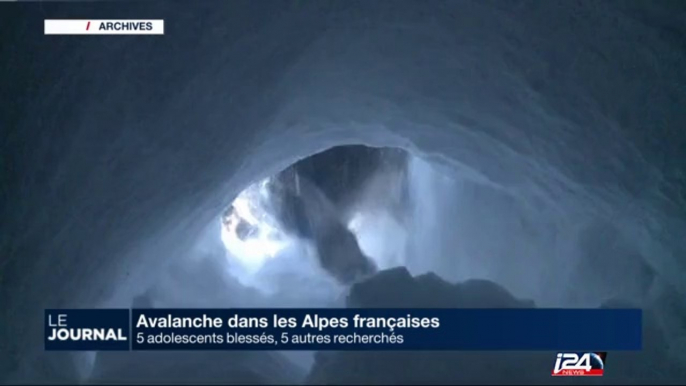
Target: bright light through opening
{"points": [[270, 226], [380, 237], [250, 234]]}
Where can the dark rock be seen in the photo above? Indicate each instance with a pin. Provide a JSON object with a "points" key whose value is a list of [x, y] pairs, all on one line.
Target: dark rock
{"points": [[397, 288]]}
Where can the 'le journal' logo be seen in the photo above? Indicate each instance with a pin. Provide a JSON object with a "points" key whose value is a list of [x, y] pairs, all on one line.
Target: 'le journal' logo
{"points": [[59, 330]]}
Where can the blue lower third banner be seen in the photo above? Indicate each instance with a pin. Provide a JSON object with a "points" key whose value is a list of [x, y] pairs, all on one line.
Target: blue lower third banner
{"points": [[344, 329]]}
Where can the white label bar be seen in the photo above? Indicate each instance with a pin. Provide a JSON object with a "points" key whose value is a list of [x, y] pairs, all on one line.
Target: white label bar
{"points": [[104, 27]]}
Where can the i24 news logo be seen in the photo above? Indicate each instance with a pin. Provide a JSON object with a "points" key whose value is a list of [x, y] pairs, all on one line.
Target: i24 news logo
{"points": [[579, 365]]}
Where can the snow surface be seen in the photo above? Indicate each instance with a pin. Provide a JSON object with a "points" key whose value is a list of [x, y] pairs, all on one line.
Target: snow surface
{"points": [[560, 124]]}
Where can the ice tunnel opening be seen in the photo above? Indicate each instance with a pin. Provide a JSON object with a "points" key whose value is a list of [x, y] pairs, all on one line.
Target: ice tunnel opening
{"points": [[339, 214]]}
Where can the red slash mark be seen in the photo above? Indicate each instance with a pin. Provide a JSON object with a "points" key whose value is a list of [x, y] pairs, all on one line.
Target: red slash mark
{"points": [[88, 26]]}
